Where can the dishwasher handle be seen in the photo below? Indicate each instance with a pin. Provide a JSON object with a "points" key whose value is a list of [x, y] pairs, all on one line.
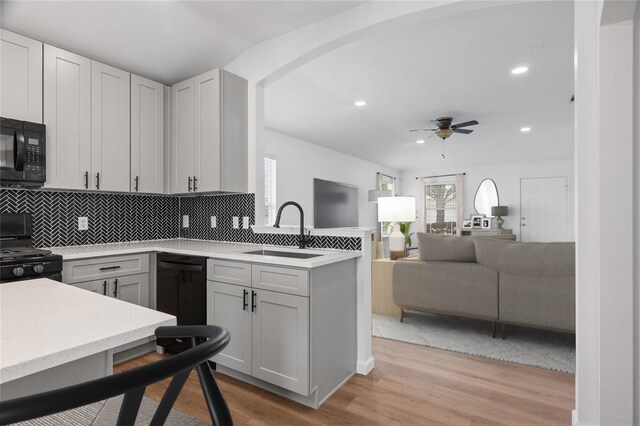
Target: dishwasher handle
{"points": [[180, 266]]}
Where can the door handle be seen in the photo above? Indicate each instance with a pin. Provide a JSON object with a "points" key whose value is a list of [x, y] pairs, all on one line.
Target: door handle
{"points": [[195, 184], [253, 301], [189, 183], [104, 288], [19, 151], [115, 288], [98, 180], [180, 266], [86, 180], [137, 180], [245, 303]]}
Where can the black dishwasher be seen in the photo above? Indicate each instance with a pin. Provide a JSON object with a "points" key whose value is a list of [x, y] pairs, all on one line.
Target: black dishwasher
{"points": [[181, 291]]}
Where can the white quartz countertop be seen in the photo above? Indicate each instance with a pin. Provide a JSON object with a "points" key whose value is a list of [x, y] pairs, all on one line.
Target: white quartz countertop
{"points": [[44, 323], [211, 249]]}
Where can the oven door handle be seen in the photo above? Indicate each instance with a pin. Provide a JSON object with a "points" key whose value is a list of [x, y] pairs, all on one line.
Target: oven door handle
{"points": [[19, 150]]}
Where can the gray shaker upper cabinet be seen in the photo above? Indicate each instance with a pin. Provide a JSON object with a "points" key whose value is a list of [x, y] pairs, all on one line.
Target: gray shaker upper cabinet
{"points": [[147, 135], [21, 77], [110, 128], [209, 134], [67, 115]]}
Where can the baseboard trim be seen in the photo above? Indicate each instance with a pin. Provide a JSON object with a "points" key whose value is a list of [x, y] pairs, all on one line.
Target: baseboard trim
{"points": [[365, 367], [576, 422]]}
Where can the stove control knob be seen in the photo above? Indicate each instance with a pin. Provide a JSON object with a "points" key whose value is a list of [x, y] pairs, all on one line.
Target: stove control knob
{"points": [[39, 268], [18, 271]]}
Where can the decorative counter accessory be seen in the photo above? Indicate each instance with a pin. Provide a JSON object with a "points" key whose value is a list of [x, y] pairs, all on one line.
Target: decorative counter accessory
{"points": [[477, 221], [467, 224], [486, 223], [498, 212], [396, 209]]}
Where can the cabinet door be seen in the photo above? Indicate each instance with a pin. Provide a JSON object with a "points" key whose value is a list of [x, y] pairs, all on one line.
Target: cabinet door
{"points": [[132, 288], [229, 306], [110, 128], [96, 286], [147, 135], [182, 136], [280, 340], [207, 136], [20, 77], [67, 115]]}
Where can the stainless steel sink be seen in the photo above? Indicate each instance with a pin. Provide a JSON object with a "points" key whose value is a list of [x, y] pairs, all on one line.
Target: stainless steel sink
{"points": [[295, 255]]}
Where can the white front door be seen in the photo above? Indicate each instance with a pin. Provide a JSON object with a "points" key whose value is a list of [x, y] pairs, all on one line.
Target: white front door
{"points": [[543, 209]]}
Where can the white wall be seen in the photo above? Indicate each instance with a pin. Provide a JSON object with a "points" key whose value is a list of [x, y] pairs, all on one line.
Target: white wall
{"points": [[507, 178], [299, 161]]}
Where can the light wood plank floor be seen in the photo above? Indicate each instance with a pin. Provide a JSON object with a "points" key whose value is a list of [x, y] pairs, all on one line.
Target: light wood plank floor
{"points": [[411, 385]]}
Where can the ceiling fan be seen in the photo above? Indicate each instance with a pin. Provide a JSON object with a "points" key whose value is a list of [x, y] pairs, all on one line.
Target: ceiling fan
{"points": [[446, 129]]}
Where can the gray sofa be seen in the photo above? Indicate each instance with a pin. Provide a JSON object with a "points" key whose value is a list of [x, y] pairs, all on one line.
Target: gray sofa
{"points": [[529, 284]]}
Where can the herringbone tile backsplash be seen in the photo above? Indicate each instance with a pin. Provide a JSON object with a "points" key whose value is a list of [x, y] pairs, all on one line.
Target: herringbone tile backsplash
{"points": [[136, 217]]}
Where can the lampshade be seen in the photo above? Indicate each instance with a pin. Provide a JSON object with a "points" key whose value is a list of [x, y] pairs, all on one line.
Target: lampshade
{"points": [[499, 211], [397, 209], [374, 194]]}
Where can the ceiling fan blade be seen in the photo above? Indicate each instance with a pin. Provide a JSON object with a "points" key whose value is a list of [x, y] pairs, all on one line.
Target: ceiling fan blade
{"points": [[423, 130], [463, 131], [465, 124]]}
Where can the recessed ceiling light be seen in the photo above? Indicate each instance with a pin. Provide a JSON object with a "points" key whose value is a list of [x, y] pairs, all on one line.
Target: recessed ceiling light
{"points": [[420, 141], [360, 103], [519, 70], [525, 129]]}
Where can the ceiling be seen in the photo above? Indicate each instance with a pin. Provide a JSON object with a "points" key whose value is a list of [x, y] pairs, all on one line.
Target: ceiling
{"points": [[164, 41], [457, 66]]}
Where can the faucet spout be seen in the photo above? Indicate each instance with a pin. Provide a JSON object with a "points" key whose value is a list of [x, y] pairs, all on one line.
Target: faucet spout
{"points": [[303, 240]]}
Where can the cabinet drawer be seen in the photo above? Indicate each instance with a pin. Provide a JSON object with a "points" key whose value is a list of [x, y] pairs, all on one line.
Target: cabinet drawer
{"points": [[104, 267], [283, 280], [229, 272]]}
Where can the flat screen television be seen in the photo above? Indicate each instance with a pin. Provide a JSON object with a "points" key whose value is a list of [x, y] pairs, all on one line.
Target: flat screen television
{"points": [[335, 205]]}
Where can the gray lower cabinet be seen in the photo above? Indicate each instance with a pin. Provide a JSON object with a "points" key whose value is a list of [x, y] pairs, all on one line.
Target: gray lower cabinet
{"points": [[293, 330], [123, 277], [229, 306], [280, 340], [132, 288]]}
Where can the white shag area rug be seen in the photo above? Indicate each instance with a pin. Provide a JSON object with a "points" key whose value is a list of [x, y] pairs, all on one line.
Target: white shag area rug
{"points": [[529, 346]]}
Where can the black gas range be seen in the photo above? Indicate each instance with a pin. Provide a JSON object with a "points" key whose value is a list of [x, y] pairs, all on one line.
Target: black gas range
{"points": [[18, 259]]}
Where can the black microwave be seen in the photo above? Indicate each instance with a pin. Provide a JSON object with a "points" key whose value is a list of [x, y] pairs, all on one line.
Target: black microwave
{"points": [[22, 153]]}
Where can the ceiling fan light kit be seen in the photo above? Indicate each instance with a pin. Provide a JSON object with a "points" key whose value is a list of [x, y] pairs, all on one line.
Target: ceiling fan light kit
{"points": [[445, 129]]}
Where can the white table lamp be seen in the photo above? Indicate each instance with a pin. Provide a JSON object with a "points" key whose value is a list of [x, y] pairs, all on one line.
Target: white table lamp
{"points": [[396, 209]]}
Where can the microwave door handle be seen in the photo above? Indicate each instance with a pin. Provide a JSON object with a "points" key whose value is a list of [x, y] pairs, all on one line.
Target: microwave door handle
{"points": [[20, 150]]}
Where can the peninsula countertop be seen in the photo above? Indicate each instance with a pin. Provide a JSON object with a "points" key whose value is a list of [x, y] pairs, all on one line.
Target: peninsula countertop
{"points": [[211, 249], [45, 323]]}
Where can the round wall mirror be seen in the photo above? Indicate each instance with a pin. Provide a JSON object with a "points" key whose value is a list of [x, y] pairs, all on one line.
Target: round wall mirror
{"points": [[486, 197]]}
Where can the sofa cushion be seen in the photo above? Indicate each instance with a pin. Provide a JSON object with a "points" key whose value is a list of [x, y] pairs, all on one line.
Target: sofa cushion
{"points": [[452, 288], [531, 259], [547, 302], [446, 248]]}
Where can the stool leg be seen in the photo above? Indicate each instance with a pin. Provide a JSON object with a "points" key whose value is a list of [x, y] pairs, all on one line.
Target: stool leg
{"points": [[401, 315]]}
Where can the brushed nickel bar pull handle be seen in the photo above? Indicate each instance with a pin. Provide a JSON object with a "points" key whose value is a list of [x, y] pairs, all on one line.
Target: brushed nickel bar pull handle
{"points": [[98, 180], [86, 180]]}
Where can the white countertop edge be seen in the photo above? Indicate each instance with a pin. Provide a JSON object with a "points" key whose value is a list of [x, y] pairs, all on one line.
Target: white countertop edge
{"points": [[35, 365], [329, 232], [114, 249]]}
